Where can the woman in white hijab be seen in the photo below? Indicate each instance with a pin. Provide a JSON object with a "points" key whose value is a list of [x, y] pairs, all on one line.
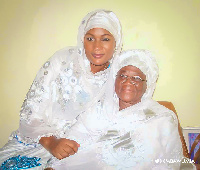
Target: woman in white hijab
{"points": [[127, 129], [71, 81]]}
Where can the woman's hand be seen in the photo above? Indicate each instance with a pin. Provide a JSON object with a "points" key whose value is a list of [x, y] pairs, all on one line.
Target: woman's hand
{"points": [[60, 148]]}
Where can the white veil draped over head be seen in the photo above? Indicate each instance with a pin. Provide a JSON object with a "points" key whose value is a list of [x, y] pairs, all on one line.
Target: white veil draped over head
{"points": [[145, 61], [65, 86], [101, 19], [142, 59]]}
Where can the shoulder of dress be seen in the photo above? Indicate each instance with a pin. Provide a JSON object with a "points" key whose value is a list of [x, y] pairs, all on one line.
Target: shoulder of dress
{"points": [[64, 53], [62, 57], [68, 49], [163, 109]]}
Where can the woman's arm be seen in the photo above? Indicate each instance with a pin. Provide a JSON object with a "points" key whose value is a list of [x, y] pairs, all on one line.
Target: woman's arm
{"points": [[38, 116]]}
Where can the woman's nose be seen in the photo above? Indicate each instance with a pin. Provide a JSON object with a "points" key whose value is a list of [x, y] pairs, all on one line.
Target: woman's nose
{"points": [[97, 45]]}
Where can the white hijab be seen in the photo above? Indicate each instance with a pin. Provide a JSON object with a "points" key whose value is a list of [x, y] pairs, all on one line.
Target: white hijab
{"points": [[101, 19], [142, 59]]}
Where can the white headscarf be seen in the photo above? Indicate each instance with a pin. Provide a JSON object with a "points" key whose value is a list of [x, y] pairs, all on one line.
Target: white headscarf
{"points": [[142, 59], [100, 19], [145, 61]]}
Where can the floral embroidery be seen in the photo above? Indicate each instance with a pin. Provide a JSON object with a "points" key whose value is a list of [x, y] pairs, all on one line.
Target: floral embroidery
{"points": [[33, 98], [45, 72], [46, 65], [73, 81], [68, 72], [64, 62]]}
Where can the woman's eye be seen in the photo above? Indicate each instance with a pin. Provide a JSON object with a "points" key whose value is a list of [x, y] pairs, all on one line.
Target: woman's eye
{"points": [[122, 76], [137, 78], [89, 39], [106, 39]]}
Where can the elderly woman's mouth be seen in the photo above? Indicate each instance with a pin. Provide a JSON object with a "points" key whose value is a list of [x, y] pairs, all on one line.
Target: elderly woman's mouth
{"points": [[127, 89]]}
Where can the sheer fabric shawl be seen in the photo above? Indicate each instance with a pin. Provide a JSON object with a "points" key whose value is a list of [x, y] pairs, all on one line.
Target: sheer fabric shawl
{"points": [[143, 136]]}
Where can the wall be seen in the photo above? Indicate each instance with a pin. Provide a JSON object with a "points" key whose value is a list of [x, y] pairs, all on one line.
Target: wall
{"points": [[32, 30]]}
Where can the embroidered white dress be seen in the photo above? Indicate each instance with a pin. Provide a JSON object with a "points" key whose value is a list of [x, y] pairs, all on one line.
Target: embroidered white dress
{"points": [[57, 96], [139, 137], [63, 88]]}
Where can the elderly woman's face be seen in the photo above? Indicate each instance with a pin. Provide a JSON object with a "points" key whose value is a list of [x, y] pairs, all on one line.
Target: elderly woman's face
{"points": [[130, 85], [99, 46]]}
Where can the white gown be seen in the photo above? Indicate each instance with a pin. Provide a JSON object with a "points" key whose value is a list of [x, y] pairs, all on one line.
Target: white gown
{"points": [[62, 89], [129, 139]]}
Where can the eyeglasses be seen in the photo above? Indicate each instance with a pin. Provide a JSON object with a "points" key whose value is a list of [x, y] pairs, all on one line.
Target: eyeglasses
{"points": [[133, 79]]}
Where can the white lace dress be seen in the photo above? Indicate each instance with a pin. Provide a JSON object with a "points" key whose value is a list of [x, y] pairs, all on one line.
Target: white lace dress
{"points": [[134, 138], [62, 89]]}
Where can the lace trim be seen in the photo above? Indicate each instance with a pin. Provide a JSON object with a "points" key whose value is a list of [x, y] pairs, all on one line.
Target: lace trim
{"points": [[33, 142], [26, 144], [56, 134], [27, 141]]}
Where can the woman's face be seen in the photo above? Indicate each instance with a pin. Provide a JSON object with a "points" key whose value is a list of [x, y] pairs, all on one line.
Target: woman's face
{"points": [[99, 46], [130, 85]]}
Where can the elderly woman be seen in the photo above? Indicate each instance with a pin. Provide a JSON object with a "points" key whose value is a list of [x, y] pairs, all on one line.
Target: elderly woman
{"points": [[126, 129], [68, 83]]}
